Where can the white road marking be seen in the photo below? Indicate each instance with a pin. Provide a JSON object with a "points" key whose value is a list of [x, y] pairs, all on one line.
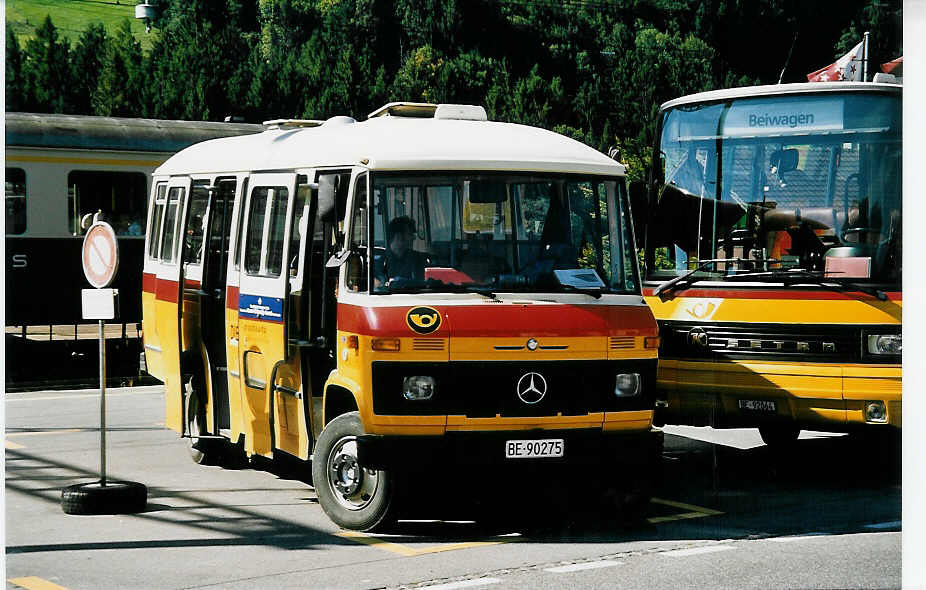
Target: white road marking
{"points": [[699, 550], [884, 525], [577, 567], [463, 584]]}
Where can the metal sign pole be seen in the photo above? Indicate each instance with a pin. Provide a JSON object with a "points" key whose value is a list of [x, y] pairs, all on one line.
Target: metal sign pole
{"points": [[102, 404], [100, 259]]}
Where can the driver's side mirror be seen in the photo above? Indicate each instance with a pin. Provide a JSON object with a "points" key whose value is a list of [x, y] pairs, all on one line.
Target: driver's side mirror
{"points": [[338, 259]]}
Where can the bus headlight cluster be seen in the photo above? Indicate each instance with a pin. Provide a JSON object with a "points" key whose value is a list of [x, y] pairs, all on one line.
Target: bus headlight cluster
{"points": [[627, 384], [885, 344], [418, 387]]}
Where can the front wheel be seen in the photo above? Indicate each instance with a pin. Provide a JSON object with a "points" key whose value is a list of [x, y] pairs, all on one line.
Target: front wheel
{"points": [[352, 496]]}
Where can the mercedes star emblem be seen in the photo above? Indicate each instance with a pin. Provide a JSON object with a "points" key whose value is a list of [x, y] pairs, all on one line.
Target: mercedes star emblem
{"points": [[531, 388]]}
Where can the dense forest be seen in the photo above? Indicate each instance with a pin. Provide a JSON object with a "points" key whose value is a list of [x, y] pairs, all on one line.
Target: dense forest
{"points": [[595, 70]]}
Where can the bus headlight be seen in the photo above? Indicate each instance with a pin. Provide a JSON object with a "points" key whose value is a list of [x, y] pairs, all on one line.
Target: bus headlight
{"points": [[875, 412], [885, 344], [627, 384], [418, 387]]}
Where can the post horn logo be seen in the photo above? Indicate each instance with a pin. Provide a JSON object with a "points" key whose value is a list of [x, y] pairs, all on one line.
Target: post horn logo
{"points": [[423, 320]]}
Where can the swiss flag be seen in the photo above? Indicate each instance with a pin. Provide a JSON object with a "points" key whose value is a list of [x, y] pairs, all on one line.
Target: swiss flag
{"points": [[847, 67], [895, 66]]}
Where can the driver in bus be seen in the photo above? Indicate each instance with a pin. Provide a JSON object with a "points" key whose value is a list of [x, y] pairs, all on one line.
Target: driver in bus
{"points": [[399, 260]]}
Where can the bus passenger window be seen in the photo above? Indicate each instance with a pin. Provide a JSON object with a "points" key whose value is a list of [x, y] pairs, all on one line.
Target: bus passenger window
{"points": [[195, 231], [264, 253], [157, 217], [169, 241], [120, 196], [15, 201]]}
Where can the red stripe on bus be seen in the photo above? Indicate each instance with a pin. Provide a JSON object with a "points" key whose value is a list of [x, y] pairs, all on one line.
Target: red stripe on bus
{"points": [[490, 320], [166, 290], [149, 282], [191, 284], [760, 293], [231, 297]]}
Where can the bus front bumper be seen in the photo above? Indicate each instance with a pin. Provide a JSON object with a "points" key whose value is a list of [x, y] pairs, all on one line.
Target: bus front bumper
{"points": [[586, 446], [741, 394]]}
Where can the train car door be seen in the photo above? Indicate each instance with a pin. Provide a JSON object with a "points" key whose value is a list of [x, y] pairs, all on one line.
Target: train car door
{"points": [[264, 281], [169, 299]]}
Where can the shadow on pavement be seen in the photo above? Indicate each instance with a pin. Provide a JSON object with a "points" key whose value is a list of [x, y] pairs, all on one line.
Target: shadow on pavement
{"points": [[707, 491]]}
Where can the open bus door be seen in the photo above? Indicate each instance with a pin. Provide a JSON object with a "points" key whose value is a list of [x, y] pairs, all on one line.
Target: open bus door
{"points": [[169, 299], [276, 228], [205, 252]]}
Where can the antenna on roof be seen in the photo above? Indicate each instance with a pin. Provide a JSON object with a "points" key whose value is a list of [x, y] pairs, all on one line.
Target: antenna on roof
{"points": [[787, 61]]}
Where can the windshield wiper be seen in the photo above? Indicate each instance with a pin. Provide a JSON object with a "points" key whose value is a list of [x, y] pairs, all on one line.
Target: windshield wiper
{"points": [[793, 277], [595, 292], [436, 285], [685, 279]]}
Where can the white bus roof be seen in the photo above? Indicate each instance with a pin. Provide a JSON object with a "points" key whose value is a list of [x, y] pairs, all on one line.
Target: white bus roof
{"points": [[396, 143], [781, 89]]}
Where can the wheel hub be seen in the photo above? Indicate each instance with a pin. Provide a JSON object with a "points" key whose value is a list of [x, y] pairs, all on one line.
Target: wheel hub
{"points": [[346, 474], [352, 486]]}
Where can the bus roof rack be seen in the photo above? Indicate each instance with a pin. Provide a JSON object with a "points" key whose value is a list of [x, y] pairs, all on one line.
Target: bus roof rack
{"points": [[280, 123], [426, 110]]}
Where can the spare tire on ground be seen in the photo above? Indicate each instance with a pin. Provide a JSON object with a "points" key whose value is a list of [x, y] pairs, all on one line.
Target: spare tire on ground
{"points": [[116, 497]]}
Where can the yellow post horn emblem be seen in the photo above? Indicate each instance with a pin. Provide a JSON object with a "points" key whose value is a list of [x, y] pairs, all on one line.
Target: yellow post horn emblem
{"points": [[423, 320]]}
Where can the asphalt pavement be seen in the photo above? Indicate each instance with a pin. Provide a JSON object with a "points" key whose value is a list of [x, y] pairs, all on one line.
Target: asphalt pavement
{"points": [[729, 513]]}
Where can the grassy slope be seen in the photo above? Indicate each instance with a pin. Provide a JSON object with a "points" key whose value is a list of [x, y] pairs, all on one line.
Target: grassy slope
{"points": [[71, 17]]}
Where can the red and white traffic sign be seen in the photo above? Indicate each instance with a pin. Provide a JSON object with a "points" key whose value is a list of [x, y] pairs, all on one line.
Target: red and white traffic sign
{"points": [[100, 255]]}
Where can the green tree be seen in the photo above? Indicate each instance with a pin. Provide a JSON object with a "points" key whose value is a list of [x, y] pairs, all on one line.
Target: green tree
{"points": [[87, 62], [119, 90], [47, 71], [15, 84]]}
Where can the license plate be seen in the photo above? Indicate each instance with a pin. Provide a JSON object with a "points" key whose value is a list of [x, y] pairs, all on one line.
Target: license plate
{"points": [[529, 449], [758, 405]]}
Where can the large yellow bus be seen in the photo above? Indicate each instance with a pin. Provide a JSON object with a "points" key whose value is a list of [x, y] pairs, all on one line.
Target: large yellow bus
{"points": [[422, 289], [773, 258]]}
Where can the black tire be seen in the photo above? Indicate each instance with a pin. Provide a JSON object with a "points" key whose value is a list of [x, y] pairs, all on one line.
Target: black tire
{"points": [[779, 436], [353, 497], [116, 497]]}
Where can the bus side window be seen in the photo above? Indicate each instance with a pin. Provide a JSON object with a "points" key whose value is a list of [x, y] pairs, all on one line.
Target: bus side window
{"points": [[157, 218], [264, 251], [171, 220], [195, 231], [357, 263]]}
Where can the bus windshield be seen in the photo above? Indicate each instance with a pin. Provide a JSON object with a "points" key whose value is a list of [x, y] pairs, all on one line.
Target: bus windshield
{"points": [[764, 187], [489, 232]]}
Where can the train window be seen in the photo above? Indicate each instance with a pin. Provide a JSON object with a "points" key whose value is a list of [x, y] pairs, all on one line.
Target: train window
{"points": [[169, 241], [160, 201], [120, 196], [15, 201]]}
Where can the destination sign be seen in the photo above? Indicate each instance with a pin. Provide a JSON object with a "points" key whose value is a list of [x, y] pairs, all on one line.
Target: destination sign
{"points": [[750, 118]]}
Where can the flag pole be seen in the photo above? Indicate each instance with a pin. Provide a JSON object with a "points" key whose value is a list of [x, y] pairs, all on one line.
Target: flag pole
{"points": [[865, 59]]}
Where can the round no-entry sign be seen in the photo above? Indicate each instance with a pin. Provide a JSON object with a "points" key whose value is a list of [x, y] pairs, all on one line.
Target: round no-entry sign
{"points": [[100, 255]]}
